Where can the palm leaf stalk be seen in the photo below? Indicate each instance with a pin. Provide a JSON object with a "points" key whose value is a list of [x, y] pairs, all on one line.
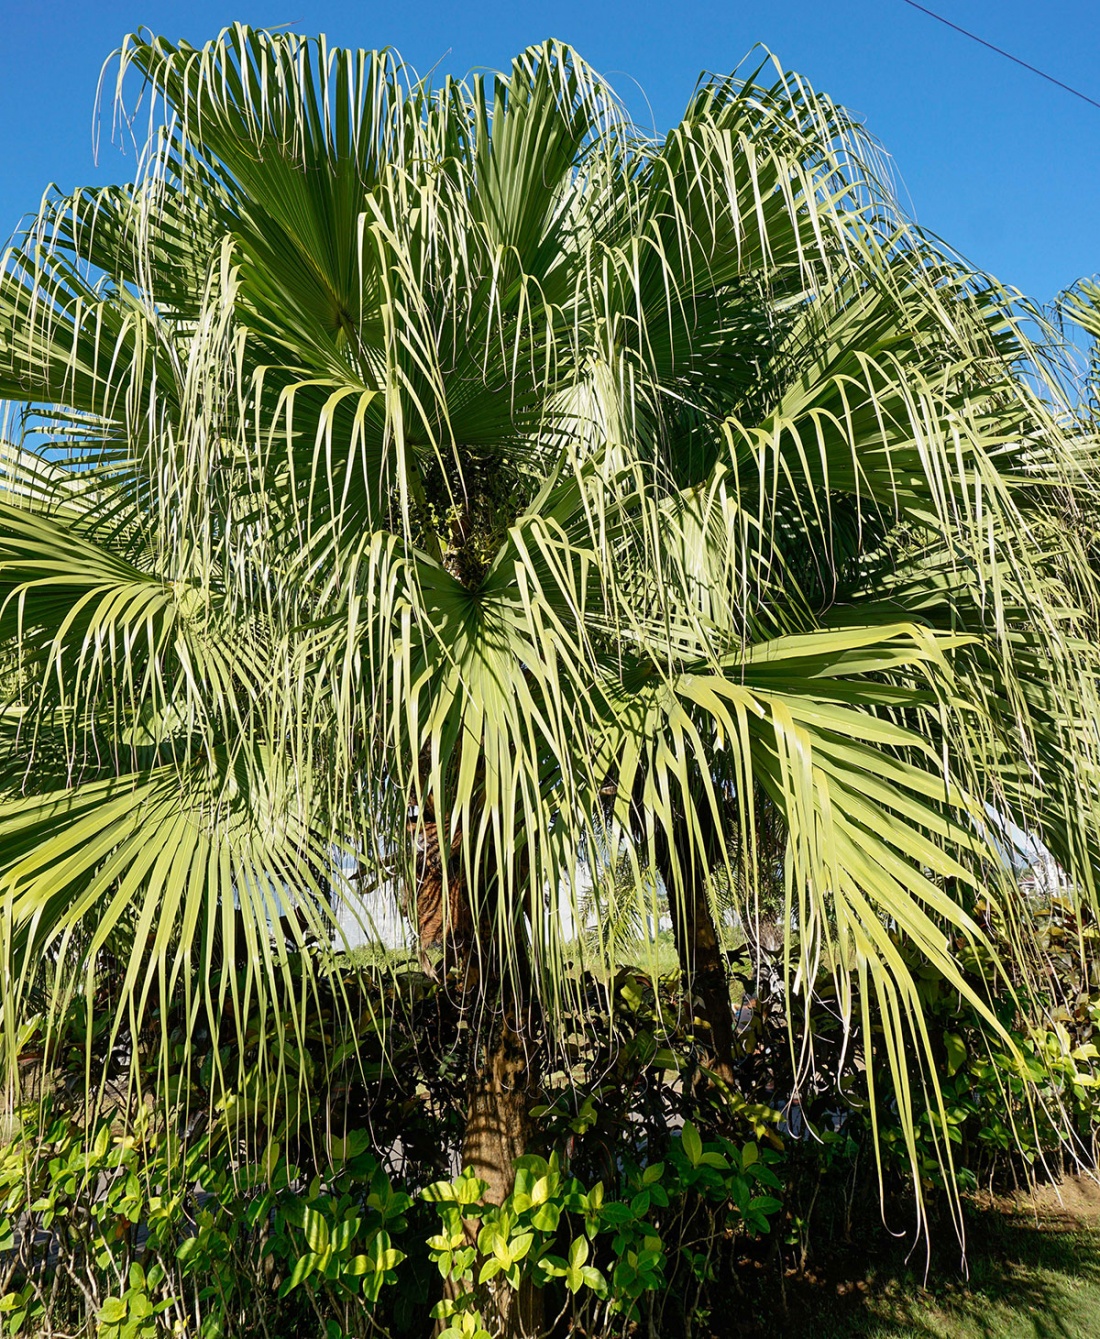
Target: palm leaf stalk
{"points": [[443, 478]]}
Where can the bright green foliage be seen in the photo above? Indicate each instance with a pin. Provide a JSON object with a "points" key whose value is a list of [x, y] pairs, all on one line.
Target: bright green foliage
{"points": [[548, 1227], [332, 1241], [463, 451], [134, 1314], [21, 1310]]}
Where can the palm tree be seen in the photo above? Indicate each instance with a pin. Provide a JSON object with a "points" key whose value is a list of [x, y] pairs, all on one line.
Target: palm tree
{"points": [[449, 480]]}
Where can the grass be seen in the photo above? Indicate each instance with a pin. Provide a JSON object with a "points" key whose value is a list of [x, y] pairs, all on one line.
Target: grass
{"points": [[1034, 1274]]}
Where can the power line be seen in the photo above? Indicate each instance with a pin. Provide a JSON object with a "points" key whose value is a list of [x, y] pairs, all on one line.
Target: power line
{"points": [[1007, 54]]}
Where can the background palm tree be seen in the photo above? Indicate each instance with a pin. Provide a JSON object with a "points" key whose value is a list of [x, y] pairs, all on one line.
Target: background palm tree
{"points": [[441, 480]]}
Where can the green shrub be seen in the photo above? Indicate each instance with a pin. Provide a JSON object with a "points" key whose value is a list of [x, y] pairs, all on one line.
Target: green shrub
{"points": [[227, 1245]]}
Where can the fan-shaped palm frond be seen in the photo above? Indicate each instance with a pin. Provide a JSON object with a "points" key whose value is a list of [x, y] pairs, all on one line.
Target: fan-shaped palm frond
{"points": [[460, 458]]}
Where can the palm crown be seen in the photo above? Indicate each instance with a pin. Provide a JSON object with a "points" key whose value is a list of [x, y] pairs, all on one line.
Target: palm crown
{"points": [[458, 470]]}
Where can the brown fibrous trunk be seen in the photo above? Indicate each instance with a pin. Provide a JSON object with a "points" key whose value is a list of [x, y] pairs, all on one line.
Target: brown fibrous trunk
{"points": [[442, 909], [499, 1129]]}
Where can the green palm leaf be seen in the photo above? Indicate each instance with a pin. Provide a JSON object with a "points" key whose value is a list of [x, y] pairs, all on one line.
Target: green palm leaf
{"points": [[462, 459]]}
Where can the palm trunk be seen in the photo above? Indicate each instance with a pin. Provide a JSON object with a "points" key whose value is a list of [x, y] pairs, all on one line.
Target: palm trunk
{"points": [[499, 1129], [503, 1083], [442, 909]]}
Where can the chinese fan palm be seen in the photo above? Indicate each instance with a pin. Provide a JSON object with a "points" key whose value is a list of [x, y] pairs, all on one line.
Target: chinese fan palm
{"points": [[452, 480]]}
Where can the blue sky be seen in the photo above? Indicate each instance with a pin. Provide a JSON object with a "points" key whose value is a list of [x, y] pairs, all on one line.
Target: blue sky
{"points": [[1001, 164]]}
